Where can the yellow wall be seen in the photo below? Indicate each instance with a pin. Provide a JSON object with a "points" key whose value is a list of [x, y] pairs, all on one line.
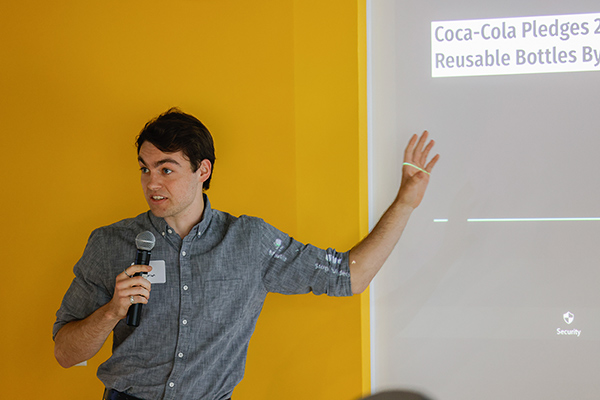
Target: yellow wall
{"points": [[279, 83]]}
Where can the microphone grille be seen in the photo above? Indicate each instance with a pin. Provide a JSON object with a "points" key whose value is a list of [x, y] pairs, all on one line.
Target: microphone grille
{"points": [[145, 241]]}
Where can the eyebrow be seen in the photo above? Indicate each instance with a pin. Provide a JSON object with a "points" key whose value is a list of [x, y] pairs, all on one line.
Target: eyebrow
{"points": [[160, 162]]}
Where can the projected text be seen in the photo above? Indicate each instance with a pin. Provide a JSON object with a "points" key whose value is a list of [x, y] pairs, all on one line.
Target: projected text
{"points": [[524, 45]]}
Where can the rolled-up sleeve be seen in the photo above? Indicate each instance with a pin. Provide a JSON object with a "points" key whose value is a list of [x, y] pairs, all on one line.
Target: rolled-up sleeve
{"points": [[88, 290], [291, 267]]}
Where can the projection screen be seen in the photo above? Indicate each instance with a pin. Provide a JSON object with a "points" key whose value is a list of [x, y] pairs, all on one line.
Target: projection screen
{"points": [[493, 290]]}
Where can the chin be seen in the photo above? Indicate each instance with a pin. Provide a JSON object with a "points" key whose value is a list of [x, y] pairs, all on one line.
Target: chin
{"points": [[157, 212]]}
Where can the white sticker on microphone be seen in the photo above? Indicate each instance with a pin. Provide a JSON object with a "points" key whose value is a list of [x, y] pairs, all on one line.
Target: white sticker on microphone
{"points": [[158, 273]]}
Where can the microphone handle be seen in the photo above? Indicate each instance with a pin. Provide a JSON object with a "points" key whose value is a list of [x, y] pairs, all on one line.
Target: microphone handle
{"points": [[134, 313]]}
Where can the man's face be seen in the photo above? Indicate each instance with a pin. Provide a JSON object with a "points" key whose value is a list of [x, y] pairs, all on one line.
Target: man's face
{"points": [[171, 189]]}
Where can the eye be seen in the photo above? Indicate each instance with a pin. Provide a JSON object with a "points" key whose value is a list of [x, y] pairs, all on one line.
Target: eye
{"points": [[167, 171], [144, 170]]}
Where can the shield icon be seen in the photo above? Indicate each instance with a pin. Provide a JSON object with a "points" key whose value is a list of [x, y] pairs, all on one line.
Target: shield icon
{"points": [[568, 317]]}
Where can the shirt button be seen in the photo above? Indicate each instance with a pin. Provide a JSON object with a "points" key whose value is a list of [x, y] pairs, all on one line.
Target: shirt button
{"points": [[185, 287], [169, 230], [171, 384], [184, 322], [183, 253], [180, 355]]}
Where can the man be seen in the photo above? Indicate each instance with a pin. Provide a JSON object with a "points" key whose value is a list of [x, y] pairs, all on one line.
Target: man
{"points": [[216, 271]]}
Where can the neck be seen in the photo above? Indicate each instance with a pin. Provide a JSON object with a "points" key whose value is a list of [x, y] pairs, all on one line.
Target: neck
{"points": [[183, 223], [182, 228]]}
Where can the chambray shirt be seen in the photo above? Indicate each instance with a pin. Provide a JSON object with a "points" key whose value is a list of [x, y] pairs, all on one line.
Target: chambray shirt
{"points": [[193, 336]]}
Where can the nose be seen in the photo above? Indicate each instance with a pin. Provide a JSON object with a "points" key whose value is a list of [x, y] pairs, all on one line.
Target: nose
{"points": [[152, 181]]}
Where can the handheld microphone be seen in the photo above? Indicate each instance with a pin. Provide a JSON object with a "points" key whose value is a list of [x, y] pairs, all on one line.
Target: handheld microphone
{"points": [[144, 243]]}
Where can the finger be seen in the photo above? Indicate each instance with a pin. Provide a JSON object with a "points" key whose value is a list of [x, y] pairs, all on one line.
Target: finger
{"points": [[138, 298], [123, 299], [128, 301], [134, 269], [432, 163], [131, 271], [140, 282], [425, 153], [419, 147], [410, 148], [137, 292], [123, 285]]}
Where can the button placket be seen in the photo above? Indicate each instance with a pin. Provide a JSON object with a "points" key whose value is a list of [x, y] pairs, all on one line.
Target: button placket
{"points": [[185, 314]]}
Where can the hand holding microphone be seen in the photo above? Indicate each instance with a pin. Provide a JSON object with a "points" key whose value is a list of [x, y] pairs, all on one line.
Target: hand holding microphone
{"points": [[130, 286], [145, 243]]}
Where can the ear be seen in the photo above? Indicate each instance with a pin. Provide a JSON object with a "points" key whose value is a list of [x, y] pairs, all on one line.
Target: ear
{"points": [[204, 170]]}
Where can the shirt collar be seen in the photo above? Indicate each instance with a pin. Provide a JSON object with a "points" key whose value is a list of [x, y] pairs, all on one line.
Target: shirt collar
{"points": [[161, 225]]}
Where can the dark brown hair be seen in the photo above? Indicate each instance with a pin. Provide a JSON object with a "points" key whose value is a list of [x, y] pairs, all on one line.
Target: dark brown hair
{"points": [[175, 131]]}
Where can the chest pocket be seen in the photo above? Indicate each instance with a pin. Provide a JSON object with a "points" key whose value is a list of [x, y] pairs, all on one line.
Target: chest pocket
{"points": [[223, 301]]}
